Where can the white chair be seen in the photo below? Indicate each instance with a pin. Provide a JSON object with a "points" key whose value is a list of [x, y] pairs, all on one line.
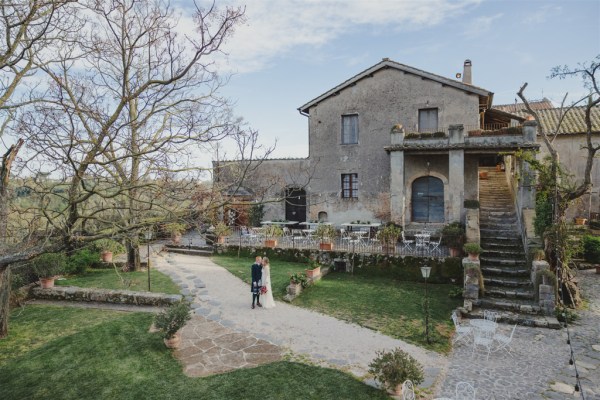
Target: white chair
{"points": [[462, 332], [435, 246], [504, 341], [490, 315], [407, 244], [408, 390], [464, 391], [483, 338]]}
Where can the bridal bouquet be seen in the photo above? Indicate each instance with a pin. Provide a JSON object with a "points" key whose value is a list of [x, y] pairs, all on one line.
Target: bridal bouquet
{"points": [[263, 290]]}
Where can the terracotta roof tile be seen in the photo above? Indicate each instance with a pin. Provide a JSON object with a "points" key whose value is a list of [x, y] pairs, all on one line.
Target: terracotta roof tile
{"points": [[516, 108]]}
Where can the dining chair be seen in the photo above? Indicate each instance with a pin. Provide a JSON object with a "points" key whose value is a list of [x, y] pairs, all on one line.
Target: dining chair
{"points": [[407, 244], [483, 338], [462, 331], [504, 341], [408, 390], [435, 245], [490, 315]]}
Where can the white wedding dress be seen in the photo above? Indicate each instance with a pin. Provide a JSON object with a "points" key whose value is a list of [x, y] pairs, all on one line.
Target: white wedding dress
{"points": [[267, 298]]}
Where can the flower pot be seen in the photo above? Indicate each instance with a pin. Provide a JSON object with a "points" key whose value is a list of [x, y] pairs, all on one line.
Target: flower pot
{"points": [[47, 283], [326, 246], [312, 273], [270, 243], [454, 252], [483, 175], [473, 256], [106, 256], [173, 342], [580, 221]]}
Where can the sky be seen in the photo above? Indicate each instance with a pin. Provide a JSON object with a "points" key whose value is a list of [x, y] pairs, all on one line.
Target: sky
{"points": [[288, 52]]}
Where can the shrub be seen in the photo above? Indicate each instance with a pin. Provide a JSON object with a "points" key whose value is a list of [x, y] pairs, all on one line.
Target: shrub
{"points": [[394, 367], [426, 135], [171, 320], [390, 233], [325, 231], [49, 264], [300, 278], [222, 230], [591, 249], [538, 254], [273, 231], [111, 245], [175, 228], [472, 248], [256, 214], [81, 260], [411, 136], [452, 234], [471, 204], [439, 134]]}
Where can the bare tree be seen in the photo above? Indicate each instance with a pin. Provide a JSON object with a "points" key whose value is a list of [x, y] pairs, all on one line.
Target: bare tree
{"points": [[564, 191]]}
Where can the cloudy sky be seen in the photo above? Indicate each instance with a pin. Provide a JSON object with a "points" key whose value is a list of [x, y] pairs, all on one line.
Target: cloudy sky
{"points": [[291, 51]]}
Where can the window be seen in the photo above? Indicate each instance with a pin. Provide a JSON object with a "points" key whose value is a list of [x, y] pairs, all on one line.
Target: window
{"points": [[428, 120], [428, 199], [350, 129], [349, 186]]}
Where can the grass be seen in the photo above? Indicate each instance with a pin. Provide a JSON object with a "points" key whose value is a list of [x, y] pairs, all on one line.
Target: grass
{"points": [[69, 353], [109, 279], [392, 307]]}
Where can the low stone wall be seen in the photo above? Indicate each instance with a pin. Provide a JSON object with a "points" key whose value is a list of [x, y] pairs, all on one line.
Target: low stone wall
{"points": [[73, 293]]}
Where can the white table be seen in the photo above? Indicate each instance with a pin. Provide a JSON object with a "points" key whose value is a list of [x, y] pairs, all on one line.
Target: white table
{"points": [[422, 239], [483, 325]]}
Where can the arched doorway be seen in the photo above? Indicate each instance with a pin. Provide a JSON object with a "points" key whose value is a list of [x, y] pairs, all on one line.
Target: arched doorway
{"points": [[295, 204], [427, 199]]}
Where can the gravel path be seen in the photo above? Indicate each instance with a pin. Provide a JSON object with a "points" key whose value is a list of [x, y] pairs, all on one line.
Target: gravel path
{"points": [[220, 296]]}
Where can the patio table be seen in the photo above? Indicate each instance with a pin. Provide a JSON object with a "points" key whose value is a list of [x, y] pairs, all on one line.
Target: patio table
{"points": [[422, 239], [483, 324]]}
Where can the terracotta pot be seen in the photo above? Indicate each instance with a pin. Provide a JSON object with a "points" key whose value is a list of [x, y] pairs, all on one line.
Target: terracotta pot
{"points": [[326, 246], [47, 283], [454, 252], [270, 243], [311, 273], [173, 342], [483, 175], [580, 221], [107, 256]]}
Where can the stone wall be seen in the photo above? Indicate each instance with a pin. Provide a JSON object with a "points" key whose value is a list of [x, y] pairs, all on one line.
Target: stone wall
{"points": [[72, 293]]}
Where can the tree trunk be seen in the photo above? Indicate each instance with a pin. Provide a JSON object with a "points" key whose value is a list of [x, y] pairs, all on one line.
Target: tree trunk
{"points": [[4, 300], [133, 256], [7, 161]]}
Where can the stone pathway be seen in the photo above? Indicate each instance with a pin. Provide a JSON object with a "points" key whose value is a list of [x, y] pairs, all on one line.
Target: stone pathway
{"points": [[539, 367], [221, 302]]}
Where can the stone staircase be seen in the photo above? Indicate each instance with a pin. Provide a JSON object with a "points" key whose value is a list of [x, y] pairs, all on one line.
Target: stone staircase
{"points": [[508, 285]]}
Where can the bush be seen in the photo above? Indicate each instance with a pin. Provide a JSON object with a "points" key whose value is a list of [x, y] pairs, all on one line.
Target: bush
{"points": [[472, 248], [394, 367], [171, 320], [453, 234], [111, 245], [49, 264], [273, 231], [439, 134], [591, 249], [300, 278], [81, 260], [325, 231], [390, 233]]}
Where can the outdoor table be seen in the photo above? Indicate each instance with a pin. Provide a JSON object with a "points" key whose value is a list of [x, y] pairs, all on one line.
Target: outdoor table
{"points": [[483, 324], [421, 239], [313, 225], [278, 222]]}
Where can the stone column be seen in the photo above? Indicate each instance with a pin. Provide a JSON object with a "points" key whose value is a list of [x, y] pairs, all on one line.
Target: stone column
{"points": [[472, 275], [527, 184], [456, 174], [397, 191], [472, 226]]}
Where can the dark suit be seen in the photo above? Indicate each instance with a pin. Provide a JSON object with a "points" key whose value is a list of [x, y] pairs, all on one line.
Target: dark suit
{"points": [[256, 270]]}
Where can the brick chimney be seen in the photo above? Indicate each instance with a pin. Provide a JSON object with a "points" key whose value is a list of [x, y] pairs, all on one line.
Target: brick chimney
{"points": [[466, 77]]}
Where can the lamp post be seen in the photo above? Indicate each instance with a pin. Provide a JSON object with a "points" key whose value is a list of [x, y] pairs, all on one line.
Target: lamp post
{"points": [[148, 236], [425, 271]]}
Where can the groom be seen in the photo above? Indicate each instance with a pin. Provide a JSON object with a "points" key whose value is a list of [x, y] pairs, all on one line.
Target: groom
{"points": [[256, 281]]}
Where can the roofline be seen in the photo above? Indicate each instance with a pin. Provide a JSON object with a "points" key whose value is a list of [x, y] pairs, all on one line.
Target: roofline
{"points": [[401, 67]]}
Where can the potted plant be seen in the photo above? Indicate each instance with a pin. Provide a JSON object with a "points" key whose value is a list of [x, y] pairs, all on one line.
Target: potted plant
{"points": [[326, 233], [47, 266], [271, 233], [580, 221], [221, 231], [538, 255], [170, 321], [107, 247], [314, 268], [473, 250], [389, 235], [176, 229], [483, 174], [392, 368], [452, 237]]}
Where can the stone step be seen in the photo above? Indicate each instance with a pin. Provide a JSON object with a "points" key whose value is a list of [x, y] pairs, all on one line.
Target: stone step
{"points": [[490, 270], [522, 306], [494, 250], [511, 318], [502, 261], [188, 251], [494, 214], [497, 232], [511, 293], [497, 225], [513, 282]]}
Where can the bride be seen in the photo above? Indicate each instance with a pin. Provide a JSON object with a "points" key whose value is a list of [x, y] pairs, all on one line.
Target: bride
{"points": [[268, 301]]}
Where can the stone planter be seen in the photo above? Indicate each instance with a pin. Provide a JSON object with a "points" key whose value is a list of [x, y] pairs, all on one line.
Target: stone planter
{"points": [[47, 283], [173, 342], [326, 246], [294, 289], [313, 273], [106, 256], [272, 243]]}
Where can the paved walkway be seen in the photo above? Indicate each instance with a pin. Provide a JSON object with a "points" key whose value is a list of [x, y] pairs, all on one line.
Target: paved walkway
{"points": [[537, 369], [223, 301]]}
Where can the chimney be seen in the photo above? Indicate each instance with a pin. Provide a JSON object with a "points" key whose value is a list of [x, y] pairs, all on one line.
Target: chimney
{"points": [[466, 78]]}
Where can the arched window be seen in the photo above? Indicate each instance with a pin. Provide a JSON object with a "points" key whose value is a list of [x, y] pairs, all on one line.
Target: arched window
{"points": [[428, 199]]}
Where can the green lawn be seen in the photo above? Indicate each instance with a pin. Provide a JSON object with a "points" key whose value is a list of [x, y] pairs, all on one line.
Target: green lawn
{"points": [[69, 353], [109, 279], [391, 307]]}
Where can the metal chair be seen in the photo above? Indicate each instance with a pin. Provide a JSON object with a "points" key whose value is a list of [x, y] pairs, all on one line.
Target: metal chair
{"points": [[490, 315], [462, 332], [408, 390], [464, 391], [504, 341], [435, 246], [407, 244], [483, 338]]}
